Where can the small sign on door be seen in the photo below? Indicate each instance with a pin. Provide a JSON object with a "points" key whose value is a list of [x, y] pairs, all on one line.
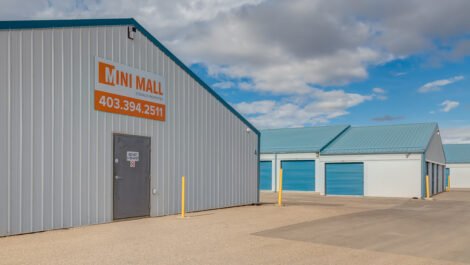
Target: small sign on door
{"points": [[132, 157]]}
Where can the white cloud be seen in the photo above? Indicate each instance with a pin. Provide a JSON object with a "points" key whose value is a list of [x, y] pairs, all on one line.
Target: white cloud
{"points": [[438, 84], [397, 74], [457, 135], [378, 90], [295, 76], [260, 35], [255, 107], [303, 110], [246, 86], [449, 105], [283, 47], [387, 118], [224, 85], [379, 93]]}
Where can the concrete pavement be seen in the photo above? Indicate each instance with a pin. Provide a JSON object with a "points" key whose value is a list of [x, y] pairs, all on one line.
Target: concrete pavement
{"points": [[309, 229]]}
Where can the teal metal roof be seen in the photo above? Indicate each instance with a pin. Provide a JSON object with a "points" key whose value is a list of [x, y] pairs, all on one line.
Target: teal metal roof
{"points": [[388, 139], [299, 140], [36, 24], [457, 153]]}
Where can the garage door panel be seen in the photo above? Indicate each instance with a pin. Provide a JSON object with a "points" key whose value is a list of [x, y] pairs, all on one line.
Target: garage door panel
{"points": [[298, 175], [344, 179], [265, 175]]}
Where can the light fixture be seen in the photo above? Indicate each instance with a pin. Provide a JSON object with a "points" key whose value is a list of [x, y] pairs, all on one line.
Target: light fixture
{"points": [[131, 30]]}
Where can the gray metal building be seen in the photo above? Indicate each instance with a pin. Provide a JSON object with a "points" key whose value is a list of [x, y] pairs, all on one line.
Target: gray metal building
{"points": [[67, 155]]}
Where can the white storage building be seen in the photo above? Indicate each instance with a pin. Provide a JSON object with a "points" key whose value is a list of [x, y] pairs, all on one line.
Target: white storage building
{"points": [[99, 121], [458, 165], [384, 161], [296, 150]]}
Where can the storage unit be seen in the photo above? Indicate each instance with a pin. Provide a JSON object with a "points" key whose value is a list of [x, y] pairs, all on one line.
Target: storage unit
{"points": [[344, 179], [458, 165], [298, 175], [296, 150], [265, 175], [388, 161], [100, 121], [436, 175]]}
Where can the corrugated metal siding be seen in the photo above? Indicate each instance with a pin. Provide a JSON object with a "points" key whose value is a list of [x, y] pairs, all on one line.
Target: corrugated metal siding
{"points": [[436, 177], [457, 153], [402, 138], [57, 163], [441, 178], [435, 150]]}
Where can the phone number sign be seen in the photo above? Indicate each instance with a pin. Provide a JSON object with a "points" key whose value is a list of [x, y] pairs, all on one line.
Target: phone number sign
{"points": [[128, 91]]}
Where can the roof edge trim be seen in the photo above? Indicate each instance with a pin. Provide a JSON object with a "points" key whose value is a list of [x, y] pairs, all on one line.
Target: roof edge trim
{"points": [[369, 153]]}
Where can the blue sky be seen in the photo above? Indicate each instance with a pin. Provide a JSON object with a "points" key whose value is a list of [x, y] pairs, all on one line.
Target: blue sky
{"points": [[309, 62], [400, 102]]}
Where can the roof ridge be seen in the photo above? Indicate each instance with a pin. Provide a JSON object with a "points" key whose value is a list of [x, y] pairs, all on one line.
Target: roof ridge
{"points": [[381, 139], [395, 125], [310, 127]]}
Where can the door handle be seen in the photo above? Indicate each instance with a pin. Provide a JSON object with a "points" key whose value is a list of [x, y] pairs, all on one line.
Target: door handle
{"points": [[117, 177]]}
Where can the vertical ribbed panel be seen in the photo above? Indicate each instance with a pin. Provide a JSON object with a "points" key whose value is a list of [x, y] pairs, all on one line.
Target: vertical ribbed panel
{"points": [[4, 132], [57, 152], [435, 150]]}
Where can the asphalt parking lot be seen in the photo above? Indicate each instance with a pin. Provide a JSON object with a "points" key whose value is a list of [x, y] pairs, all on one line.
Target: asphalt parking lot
{"points": [[309, 229]]}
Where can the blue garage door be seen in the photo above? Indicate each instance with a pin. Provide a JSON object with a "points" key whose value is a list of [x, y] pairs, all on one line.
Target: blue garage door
{"points": [[344, 179], [298, 175], [265, 175]]}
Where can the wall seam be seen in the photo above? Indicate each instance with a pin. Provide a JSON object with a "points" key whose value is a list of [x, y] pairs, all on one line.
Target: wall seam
{"points": [[42, 128], [9, 137], [80, 127], [71, 129], [97, 137], [21, 132], [62, 169], [89, 97], [53, 171], [32, 134]]}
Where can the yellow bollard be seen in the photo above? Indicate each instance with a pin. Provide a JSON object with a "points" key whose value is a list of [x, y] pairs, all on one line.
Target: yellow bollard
{"points": [[279, 194], [183, 210], [427, 187], [448, 183]]}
